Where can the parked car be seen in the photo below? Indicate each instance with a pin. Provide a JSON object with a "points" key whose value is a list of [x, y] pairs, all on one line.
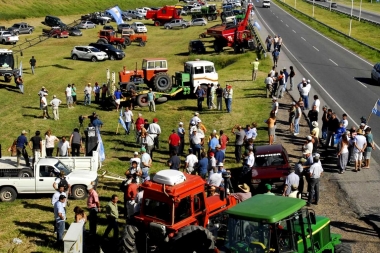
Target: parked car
{"points": [[2, 28], [112, 52], [134, 14], [177, 23], [139, 27], [375, 74], [86, 25], [74, 31], [108, 27], [56, 32], [88, 53], [20, 28], [125, 17], [197, 47], [53, 21], [6, 37], [123, 26], [198, 21]]}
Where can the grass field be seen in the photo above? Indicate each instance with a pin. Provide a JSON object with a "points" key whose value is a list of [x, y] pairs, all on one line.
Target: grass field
{"points": [[29, 218], [366, 5]]}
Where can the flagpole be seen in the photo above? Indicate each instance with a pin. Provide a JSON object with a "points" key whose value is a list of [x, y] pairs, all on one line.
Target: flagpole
{"points": [[371, 111]]}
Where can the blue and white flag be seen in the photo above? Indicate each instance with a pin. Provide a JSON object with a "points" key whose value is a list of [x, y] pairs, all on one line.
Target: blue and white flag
{"points": [[121, 121], [100, 148], [20, 69], [376, 108], [257, 25], [116, 14]]}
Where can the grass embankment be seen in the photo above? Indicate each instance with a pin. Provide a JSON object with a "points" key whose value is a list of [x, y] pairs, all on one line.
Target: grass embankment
{"points": [[366, 5], [30, 218], [364, 32]]}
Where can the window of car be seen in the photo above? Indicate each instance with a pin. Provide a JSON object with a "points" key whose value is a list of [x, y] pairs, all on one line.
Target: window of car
{"points": [[209, 69], [94, 49], [199, 70], [79, 48], [269, 160]]}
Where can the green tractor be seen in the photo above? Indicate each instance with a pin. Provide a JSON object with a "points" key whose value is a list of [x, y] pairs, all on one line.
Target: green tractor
{"points": [[265, 224]]}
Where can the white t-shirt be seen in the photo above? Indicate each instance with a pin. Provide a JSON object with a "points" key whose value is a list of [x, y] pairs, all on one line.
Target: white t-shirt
{"points": [[145, 159], [360, 140], [87, 90], [55, 198], [55, 102], [68, 92], [317, 103], [191, 160], [63, 148], [215, 179], [128, 116], [308, 146], [275, 107], [138, 160], [251, 160], [50, 141], [154, 128], [345, 123], [43, 101]]}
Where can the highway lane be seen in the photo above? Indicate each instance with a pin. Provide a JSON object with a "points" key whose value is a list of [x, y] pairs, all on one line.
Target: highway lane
{"points": [[365, 14], [331, 68]]}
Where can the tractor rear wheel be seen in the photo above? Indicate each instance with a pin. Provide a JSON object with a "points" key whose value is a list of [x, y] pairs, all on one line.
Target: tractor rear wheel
{"points": [[218, 46], [162, 82], [209, 18], [127, 41], [142, 100], [7, 79], [184, 241], [128, 239], [142, 43], [130, 86], [102, 41], [342, 248]]}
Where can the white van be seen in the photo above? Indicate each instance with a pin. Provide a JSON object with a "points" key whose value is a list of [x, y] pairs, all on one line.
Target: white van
{"points": [[266, 3]]}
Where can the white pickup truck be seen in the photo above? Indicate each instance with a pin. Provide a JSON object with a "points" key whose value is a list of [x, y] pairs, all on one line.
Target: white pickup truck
{"points": [[6, 37], [79, 171]]}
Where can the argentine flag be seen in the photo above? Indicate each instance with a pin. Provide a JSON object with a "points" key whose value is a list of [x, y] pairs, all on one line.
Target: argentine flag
{"points": [[102, 154], [376, 108], [257, 25], [121, 121], [116, 14]]}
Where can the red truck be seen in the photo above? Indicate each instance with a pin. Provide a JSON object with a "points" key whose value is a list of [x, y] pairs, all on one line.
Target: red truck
{"points": [[163, 15]]}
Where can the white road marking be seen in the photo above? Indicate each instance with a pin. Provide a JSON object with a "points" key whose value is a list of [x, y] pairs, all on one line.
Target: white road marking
{"points": [[333, 62], [276, 16], [287, 25], [303, 38], [294, 31], [282, 21], [362, 84], [316, 48]]}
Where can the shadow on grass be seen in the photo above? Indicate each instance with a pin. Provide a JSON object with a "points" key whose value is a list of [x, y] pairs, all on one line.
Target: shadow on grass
{"points": [[31, 116], [353, 228], [37, 206], [31, 107], [31, 225], [44, 239]]}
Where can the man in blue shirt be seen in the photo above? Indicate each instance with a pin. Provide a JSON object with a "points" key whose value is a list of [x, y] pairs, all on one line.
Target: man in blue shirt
{"points": [[97, 123], [219, 155], [181, 134], [97, 93], [117, 96], [200, 93], [150, 97], [213, 143], [203, 166], [60, 217], [21, 144]]}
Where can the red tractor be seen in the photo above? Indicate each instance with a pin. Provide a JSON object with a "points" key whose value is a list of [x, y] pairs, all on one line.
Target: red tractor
{"points": [[176, 216], [238, 36], [153, 73], [110, 37], [163, 15]]}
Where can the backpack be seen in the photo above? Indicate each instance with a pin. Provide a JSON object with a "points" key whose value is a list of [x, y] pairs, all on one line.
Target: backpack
{"points": [[63, 183], [123, 186]]}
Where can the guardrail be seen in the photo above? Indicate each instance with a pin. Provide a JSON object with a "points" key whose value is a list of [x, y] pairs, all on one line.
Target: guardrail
{"points": [[364, 20], [259, 43], [329, 27]]}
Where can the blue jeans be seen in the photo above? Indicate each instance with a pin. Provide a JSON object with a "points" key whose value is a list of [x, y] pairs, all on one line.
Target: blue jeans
{"points": [[229, 102], [297, 125], [324, 132], [21, 87], [60, 225], [32, 67], [87, 99], [128, 126], [305, 99]]}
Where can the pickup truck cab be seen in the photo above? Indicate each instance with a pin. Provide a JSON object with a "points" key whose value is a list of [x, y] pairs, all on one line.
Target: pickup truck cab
{"points": [[6, 37], [21, 28], [39, 180], [271, 166]]}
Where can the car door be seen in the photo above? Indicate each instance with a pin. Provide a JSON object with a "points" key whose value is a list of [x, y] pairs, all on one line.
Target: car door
{"points": [[80, 52], [45, 179], [87, 53]]}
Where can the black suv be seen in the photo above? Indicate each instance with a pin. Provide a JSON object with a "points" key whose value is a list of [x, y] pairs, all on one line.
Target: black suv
{"points": [[112, 52], [196, 46]]}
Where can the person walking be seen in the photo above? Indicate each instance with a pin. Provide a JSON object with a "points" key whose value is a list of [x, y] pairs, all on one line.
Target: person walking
{"points": [[291, 77], [151, 96], [229, 94], [271, 127], [240, 134], [93, 206], [117, 97], [315, 173], [60, 218], [97, 93], [128, 118], [219, 96], [269, 42], [181, 133], [112, 214], [44, 106], [55, 105], [255, 69], [87, 94], [33, 64], [74, 95], [200, 93], [75, 142], [20, 83], [276, 56], [370, 146], [343, 154], [69, 98], [297, 118], [21, 144], [50, 141]]}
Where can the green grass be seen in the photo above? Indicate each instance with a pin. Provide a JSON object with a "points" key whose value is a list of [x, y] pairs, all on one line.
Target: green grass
{"points": [[364, 32], [366, 5], [29, 218]]}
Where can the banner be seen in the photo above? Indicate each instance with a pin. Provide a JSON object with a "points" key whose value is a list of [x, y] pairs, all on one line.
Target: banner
{"points": [[376, 108], [20, 70], [100, 148], [116, 14], [121, 120], [257, 25]]}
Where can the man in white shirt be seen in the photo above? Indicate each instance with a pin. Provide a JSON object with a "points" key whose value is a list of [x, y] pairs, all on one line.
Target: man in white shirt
{"points": [[87, 94], [344, 120], [60, 217], [69, 98], [291, 179], [215, 179], [308, 145], [44, 106], [55, 198], [128, 118], [360, 144], [268, 84], [194, 119], [315, 173], [55, 104], [63, 148], [137, 159], [190, 162], [316, 102], [305, 89], [251, 158], [154, 130], [274, 105]]}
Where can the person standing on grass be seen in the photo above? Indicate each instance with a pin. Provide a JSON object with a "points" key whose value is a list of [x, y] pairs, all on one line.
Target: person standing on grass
{"points": [[174, 142], [80, 217], [297, 118], [229, 94], [55, 199], [55, 105], [268, 85], [33, 64], [60, 218], [104, 90], [93, 206], [190, 162], [370, 146], [151, 96], [128, 118], [343, 154], [209, 96], [74, 95], [69, 98], [271, 127], [87, 94], [117, 96], [50, 141], [219, 96], [19, 83], [112, 214], [174, 162], [255, 69], [130, 197], [97, 93], [44, 106], [291, 76], [21, 144], [75, 142], [213, 89], [200, 93]]}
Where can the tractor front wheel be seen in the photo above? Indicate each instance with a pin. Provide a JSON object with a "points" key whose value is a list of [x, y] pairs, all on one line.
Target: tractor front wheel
{"points": [[102, 41], [162, 82], [142, 43], [184, 241], [128, 239], [127, 41]]}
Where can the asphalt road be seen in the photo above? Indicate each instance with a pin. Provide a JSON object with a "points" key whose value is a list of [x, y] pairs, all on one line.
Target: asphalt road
{"points": [[364, 14]]}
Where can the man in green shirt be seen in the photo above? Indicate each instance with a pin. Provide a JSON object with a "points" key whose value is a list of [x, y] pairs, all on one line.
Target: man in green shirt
{"points": [[269, 188], [255, 69], [112, 214]]}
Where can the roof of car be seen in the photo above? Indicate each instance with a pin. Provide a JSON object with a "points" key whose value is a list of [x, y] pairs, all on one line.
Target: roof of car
{"points": [[268, 149]]}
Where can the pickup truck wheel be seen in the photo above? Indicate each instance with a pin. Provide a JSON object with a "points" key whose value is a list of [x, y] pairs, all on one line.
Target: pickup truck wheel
{"points": [[183, 26], [8, 194], [26, 173], [167, 27], [79, 192], [74, 57], [30, 31], [94, 59]]}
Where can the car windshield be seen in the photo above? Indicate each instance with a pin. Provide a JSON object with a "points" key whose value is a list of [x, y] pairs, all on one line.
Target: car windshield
{"points": [[247, 236], [157, 209], [93, 49], [62, 167], [6, 60], [16, 25], [266, 160]]}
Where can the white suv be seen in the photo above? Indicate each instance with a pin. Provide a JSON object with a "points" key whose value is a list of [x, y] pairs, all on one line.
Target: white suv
{"points": [[139, 27], [88, 53], [266, 4]]}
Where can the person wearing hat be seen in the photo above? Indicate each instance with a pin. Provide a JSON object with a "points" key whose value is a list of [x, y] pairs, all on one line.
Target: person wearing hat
{"points": [[117, 96], [41, 94], [268, 84], [227, 94], [268, 189], [294, 192], [276, 56], [196, 141], [55, 104], [315, 128], [190, 162], [211, 162], [309, 159], [315, 173], [44, 106], [244, 194], [219, 96], [181, 133], [60, 218], [137, 159], [291, 179], [154, 130], [174, 142], [360, 144], [308, 144], [215, 179], [213, 142], [304, 92], [93, 206], [21, 144], [87, 94], [255, 69]]}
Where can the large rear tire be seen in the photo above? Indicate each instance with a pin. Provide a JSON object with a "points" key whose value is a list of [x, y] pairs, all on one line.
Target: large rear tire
{"points": [[184, 241], [218, 46], [162, 82], [142, 100], [130, 86], [342, 248], [127, 242], [127, 41], [102, 41]]}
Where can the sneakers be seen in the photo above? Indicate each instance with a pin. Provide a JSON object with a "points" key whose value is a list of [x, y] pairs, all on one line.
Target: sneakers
{"points": [[295, 134]]}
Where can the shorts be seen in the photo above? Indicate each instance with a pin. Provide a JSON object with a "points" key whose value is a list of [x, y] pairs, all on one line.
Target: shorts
{"points": [[291, 120], [358, 156], [69, 99], [74, 97], [271, 130], [117, 101], [367, 155]]}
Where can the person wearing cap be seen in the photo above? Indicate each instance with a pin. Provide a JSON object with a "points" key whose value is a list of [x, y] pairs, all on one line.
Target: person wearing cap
{"points": [[151, 96], [211, 162], [360, 144], [215, 179], [97, 93], [312, 116], [332, 128], [213, 89], [325, 118], [174, 142], [255, 69], [268, 189], [213, 142], [315, 173], [276, 56], [268, 84], [154, 130], [87, 94], [219, 96], [139, 125], [190, 162], [117, 96], [315, 129], [44, 106], [112, 214], [60, 218], [137, 159], [55, 104], [291, 179], [316, 102], [21, 144], [315, 140], [297, 119], [370, 146], [299, 170], [244, 194], [309, 159], [304, 92], [194, 120], [93, 206], [240, 134], [41, 94], [146, 163], [196, 141], [181, 133], [301, 84], [200, 94]]}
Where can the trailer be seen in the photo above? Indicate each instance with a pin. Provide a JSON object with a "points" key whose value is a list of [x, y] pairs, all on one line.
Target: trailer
{"points": [[208, 12]]}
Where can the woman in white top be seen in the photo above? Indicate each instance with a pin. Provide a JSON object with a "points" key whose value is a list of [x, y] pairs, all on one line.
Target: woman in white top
{"points": [[49, 143], [343, 154]]}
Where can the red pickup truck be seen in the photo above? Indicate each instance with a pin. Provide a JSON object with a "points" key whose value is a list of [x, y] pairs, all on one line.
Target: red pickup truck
{"points": [[56, 32]]}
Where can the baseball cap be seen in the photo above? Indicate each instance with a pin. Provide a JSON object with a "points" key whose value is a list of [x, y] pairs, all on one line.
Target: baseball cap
{"points": [[304, 79], [173, 131], [257, 59], [211, 153], [143, 150], [220, 164], [89, 187], [192, 122], [196, 113], [54, 96], [218, 85], [155, 120], [274, 98], [136, 153], [293, 103], [214, 131], [24, 132], [180, 123], [309, 138], [268, 186], [302, 160], [218, 146]]}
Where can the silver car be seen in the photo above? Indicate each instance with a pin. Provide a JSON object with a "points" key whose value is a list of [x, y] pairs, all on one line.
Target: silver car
{"points": [[375, 74], [177, 23], [88, 53], [86, 25], [199, 21], [133, 14]]}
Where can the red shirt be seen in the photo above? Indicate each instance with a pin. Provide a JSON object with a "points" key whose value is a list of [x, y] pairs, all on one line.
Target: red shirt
{"points": [[139, 122], [174, 139], [223, 141], [92, 199], [131, 191]]}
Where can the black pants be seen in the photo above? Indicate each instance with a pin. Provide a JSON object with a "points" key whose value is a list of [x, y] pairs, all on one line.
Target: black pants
{"points": [[49, 152], [200, 101], [97, 96], [209, 104], [75, 149], [112, 224], [238, 153], [93, 220], [22, 151], [181, 146], [174, 148], [313, 190]]}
